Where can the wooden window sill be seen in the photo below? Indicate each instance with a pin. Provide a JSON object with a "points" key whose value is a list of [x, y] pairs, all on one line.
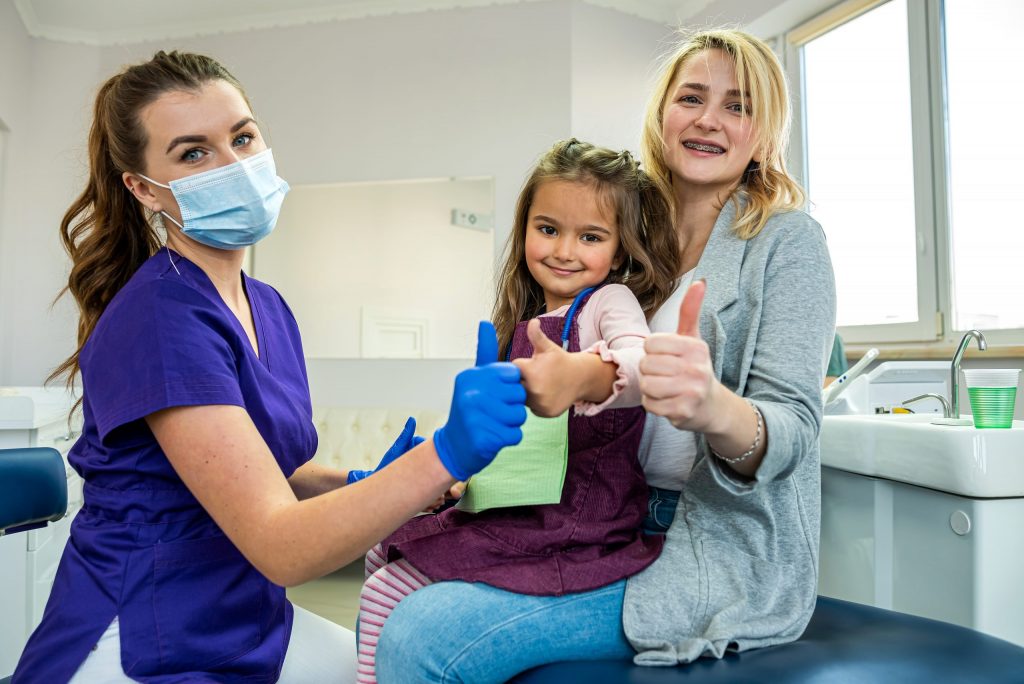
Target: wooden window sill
{"points": [[936, 351]]}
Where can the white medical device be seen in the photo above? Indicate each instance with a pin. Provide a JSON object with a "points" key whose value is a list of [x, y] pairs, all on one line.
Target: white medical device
{"points": [[837, 386]]}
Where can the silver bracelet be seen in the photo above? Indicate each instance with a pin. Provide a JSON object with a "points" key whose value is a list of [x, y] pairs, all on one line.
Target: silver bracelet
{"points": [[753, 447]]}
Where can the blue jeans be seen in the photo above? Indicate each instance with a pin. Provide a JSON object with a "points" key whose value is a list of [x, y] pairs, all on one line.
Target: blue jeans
{"points": [[661, 510], [463, 632]]}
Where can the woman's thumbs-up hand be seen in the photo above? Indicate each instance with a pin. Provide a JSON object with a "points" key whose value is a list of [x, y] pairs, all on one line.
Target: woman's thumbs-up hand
{"points": [[676, 376]]}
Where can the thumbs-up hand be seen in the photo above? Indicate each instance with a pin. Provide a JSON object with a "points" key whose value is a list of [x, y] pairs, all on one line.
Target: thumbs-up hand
{"points": [[486, 344], [486, 413], [548, 375], [676, 375]]}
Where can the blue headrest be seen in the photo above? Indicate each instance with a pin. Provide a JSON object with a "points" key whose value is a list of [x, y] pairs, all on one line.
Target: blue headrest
{"points": [[33, 488]]}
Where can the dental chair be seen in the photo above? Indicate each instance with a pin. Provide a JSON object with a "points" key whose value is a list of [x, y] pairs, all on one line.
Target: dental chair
{"points": [[33, 491], [845, 643]]}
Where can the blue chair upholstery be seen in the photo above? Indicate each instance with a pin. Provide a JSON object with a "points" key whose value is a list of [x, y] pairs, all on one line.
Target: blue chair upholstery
{"points": [[844, 643], [33, 488], [33, 491]]}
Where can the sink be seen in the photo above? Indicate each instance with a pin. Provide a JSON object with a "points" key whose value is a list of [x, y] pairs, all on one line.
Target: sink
{"points": [[908, 448]]}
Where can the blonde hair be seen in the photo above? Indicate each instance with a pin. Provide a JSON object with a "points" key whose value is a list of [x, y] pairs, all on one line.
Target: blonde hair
{"points": [[766, 186], [648, 245]]}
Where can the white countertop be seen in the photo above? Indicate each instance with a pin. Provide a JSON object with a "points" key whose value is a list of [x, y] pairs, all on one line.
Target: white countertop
{"points": [[961, 460]]}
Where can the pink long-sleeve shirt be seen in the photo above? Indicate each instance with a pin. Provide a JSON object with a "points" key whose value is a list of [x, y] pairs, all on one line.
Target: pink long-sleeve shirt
{"points": [[613, 325]]}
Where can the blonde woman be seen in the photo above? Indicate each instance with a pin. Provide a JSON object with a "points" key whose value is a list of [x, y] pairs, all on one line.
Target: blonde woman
{"points": [[732, 382]]}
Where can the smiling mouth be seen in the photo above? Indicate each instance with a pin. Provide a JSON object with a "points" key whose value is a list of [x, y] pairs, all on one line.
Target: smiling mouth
{"points": [[562, 271], [702, 147]]}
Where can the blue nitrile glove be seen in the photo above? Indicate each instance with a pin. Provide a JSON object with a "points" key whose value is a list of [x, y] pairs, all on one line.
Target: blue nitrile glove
{"points": [[488, 406], [406, 440]]}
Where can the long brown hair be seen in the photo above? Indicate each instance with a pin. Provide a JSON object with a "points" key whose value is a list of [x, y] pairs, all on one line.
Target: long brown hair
{"points": [[766, 187], [107, 233], [648, 245]]}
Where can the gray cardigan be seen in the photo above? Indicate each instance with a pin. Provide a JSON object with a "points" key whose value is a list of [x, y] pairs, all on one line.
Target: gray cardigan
{"points": [[740, 564]]}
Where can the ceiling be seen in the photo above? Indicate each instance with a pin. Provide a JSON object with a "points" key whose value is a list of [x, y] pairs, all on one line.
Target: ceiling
{"points": [[135, 21]]}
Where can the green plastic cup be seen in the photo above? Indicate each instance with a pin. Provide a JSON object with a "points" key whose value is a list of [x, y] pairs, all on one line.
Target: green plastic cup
{"points": [[992, 393]]}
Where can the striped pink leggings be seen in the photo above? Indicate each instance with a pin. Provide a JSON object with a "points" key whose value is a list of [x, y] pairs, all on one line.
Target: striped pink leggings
{"points": [[386, 584]]}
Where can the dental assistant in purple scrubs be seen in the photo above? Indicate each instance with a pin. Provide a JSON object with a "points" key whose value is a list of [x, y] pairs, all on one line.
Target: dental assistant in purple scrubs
{"points": [[201, 503]]}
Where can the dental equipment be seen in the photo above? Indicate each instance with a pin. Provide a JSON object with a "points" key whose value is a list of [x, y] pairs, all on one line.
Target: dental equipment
{"points": [[836, 387]]}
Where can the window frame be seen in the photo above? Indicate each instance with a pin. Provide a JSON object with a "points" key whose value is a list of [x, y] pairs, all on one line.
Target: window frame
{"points": [[930, 150]]}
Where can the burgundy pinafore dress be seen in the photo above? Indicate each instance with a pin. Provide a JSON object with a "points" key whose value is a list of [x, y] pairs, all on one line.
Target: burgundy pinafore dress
{"points": [[590, 539]]}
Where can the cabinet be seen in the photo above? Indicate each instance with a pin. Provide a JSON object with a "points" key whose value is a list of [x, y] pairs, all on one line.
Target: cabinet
{"points": [[33, 417], [924, 552]]}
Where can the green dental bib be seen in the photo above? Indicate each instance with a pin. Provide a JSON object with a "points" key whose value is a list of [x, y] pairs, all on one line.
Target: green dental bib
{"points": [[530, 473]]}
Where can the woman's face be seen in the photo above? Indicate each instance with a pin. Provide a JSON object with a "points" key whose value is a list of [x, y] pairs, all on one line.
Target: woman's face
{"points": [[189, 132], [709, 140]]}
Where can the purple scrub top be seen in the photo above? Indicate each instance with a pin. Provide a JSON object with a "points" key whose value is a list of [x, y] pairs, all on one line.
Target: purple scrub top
{"points": [[190, 606]]}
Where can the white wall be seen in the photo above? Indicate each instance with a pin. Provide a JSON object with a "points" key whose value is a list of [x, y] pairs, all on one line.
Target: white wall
{"points": [[15, 56], [420, 383], [48, 97], [463, 93], [340, 250], [48, 166], [614, 62]]}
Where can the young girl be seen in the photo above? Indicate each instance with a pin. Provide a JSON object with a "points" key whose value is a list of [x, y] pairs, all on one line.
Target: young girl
{"points": [[592, 254]]}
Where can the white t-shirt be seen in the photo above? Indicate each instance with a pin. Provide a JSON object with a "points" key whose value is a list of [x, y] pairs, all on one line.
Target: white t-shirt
{"points": [[667, 453]]}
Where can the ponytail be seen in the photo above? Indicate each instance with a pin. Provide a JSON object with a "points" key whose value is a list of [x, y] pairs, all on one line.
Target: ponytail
{"points": [[105, 232]]}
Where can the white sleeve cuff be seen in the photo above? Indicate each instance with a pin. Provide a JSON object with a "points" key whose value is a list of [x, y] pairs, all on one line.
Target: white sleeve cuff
{"points": [[626, 389]]}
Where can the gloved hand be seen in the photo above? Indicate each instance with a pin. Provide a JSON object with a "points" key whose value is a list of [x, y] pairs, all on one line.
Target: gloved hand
{"points": [[406, 440], [488, 406]]}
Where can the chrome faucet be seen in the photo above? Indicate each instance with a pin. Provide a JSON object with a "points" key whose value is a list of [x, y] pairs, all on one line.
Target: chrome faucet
{"points": [[946, 411], [954, 371]]}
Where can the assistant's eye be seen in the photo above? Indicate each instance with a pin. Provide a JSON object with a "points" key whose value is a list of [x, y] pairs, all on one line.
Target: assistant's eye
{"points": [[243, 139], [689, 99], [738, 108], [192, 155]]}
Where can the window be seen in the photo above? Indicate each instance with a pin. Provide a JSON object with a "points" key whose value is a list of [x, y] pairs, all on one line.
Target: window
{"points": [[909, 166], [859, 145], [984, 97]]}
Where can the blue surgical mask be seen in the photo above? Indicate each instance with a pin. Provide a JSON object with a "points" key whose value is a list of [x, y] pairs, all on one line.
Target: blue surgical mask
{"points": [[231, 206]]}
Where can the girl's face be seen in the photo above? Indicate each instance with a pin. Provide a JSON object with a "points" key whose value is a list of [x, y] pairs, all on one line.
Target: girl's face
{"points": [[188, 132], [572, 240], [708, 140]]}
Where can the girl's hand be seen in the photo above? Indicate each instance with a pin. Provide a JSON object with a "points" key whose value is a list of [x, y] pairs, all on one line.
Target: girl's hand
{"points": [[676, 376], [552, 385], [456, 491], [453, 494]]}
